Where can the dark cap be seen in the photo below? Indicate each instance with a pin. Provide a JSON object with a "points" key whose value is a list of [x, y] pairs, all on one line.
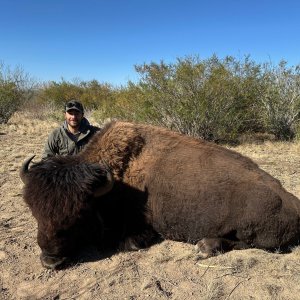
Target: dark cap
{"points": [[73, 104]]}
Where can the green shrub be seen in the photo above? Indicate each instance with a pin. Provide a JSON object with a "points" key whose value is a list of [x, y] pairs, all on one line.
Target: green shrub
{"points": [[15, 89], [10, 99], [297, 131], [90, 93], [212, 99], [281, 100]]}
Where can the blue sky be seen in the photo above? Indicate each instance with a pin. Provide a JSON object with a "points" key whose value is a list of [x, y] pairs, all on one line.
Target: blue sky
{"points": [[103, 40]]}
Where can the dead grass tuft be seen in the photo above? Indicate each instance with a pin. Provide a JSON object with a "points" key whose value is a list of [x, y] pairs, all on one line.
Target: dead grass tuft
{"points": [[214, 290], [255, 138], [24, 123]]}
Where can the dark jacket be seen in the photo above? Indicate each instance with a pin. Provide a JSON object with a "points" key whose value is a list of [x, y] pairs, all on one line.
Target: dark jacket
{"points": [[62, 142]]}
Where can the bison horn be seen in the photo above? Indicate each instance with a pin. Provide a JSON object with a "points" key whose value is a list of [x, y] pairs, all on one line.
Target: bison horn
{"points": [[24, 169], [107, 187]]}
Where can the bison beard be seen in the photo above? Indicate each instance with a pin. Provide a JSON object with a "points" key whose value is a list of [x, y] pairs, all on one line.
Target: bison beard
{"points": [[166, 185]]}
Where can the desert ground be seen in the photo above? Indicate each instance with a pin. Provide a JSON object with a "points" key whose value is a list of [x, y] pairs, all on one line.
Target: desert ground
{"points": [[169, 270]]}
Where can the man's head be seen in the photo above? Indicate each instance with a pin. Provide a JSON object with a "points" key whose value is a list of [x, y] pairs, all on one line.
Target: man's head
{"points": [[74, 105], [73, 114]]}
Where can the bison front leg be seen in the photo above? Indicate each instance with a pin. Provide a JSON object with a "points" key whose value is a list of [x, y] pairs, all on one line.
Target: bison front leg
{"points": [[208, 247]]}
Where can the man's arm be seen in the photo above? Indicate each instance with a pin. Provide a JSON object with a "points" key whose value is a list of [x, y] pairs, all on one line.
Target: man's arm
{"points": [[51, 148]]}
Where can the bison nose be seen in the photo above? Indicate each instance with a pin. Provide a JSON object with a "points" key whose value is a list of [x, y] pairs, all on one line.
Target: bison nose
{"points": [[52, 262]]}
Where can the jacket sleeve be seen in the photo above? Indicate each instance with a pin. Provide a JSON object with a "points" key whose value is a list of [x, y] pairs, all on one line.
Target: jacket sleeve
{"points": [[51, 146]]}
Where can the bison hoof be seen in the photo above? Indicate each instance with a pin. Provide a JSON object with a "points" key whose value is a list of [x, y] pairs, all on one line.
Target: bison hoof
{"points": [[208, 247], [130, 245]]}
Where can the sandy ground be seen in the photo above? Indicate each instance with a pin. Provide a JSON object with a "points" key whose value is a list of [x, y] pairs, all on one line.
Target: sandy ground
{"points": [[170, 270]]}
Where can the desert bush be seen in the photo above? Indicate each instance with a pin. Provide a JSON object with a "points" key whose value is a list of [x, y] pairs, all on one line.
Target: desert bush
{"points": [[91, 93], [281, 100], [127, 103], [297, 131], [44, 111], [59, 92], [9, 100], [212, 99], [15, 89]]}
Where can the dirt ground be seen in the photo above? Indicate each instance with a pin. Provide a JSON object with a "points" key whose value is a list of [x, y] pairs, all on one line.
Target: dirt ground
{"points": [[170, 270]]}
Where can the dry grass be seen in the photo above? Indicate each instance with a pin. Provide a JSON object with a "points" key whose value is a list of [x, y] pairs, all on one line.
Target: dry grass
{"points": [[26, 123]]}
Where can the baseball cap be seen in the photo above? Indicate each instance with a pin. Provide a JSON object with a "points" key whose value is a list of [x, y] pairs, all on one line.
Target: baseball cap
{"points": [[73, 104]]}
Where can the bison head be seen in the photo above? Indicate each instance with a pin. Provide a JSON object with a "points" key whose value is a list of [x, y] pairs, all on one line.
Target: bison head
{"points": [[60, 192]]}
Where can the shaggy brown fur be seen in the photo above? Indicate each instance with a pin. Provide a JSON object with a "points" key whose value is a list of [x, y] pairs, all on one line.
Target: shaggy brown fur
{"points": [[185, 189], [198, 189], [60, 179]]}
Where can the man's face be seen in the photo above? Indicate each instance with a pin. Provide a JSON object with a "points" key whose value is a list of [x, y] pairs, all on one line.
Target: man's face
{"points": [[73, 117]]}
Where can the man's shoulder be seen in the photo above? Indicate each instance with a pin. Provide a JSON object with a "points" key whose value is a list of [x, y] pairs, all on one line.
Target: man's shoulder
{"points": [[56, 132]]}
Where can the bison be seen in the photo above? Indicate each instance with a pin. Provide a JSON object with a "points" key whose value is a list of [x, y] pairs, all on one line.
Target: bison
{"points": [[135, 184]]}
